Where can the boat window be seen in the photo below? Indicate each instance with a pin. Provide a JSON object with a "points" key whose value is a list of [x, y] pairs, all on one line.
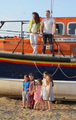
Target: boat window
{"points": [[59, 29], [71, 29]]}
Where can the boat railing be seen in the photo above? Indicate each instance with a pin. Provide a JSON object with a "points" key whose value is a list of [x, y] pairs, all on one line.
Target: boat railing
{"points": [[27, 43], [21, 38], [22, 32], [59, 49]]}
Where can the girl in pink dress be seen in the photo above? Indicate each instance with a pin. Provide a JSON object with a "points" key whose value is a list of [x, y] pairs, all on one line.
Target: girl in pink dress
{"points": [[37, 97]]}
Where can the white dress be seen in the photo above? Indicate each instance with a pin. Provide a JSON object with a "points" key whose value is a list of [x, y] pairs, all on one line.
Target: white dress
{"points": [[45, 92], [43, 87]]}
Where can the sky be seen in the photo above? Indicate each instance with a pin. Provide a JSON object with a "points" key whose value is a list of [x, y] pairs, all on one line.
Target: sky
{"points": [[22, 9]]}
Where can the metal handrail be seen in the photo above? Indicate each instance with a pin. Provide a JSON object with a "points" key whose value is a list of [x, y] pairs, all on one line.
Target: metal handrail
{"points": [[17, 45], [22, 22], [14, 21], [22, 34], [59, 47]]}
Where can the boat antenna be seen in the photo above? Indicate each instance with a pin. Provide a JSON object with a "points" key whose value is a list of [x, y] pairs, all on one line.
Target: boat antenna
{"points": [[52, 3]]}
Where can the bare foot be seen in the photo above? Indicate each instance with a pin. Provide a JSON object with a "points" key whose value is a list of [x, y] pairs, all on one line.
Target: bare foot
{"points": [[34, 108], [49, 110], [42, 109], [24, 108]]}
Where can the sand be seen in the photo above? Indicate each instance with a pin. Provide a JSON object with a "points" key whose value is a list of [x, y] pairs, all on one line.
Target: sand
{"points": [[11, 109]]}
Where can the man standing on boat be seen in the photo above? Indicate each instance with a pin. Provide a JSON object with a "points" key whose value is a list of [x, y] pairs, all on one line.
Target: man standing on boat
{"points": [[47, 29]]}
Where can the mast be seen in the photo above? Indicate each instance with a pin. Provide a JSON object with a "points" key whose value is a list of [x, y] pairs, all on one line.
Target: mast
{"points": [[51, 7]]}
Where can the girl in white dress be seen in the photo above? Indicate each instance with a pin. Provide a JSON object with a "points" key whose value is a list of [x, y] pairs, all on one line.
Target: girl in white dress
{"points": [[48, 94], [43, 89]]}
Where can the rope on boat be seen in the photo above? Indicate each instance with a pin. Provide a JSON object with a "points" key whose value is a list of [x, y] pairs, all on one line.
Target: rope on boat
{"points": [[37, 68], [42, 73], [65, 74], [55, 71]]}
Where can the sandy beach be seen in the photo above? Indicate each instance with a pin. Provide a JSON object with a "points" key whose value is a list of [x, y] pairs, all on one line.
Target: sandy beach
{"points": [[11, 109]]}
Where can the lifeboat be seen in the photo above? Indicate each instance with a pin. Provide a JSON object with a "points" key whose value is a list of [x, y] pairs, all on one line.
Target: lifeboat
{"points": [[16, 59]]}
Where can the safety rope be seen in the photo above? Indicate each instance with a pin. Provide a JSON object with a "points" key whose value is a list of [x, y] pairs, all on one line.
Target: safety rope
{"points": [[65, 74], [41, 72], [37, 68], [55, 71]]}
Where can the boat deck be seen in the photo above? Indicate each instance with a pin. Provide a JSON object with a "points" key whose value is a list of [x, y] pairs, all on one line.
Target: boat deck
{"points": [[41, 57]]}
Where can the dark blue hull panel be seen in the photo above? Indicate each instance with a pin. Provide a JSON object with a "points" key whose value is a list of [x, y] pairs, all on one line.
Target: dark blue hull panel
{"points": [[16, 70]]}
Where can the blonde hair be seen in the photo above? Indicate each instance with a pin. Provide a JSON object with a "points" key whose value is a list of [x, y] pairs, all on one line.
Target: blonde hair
{"points": [[31, 74], [51, 80], [45, 72]]}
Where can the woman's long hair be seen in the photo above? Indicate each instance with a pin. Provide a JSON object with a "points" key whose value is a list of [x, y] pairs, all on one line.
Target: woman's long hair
{"points": [[37, 19]]}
